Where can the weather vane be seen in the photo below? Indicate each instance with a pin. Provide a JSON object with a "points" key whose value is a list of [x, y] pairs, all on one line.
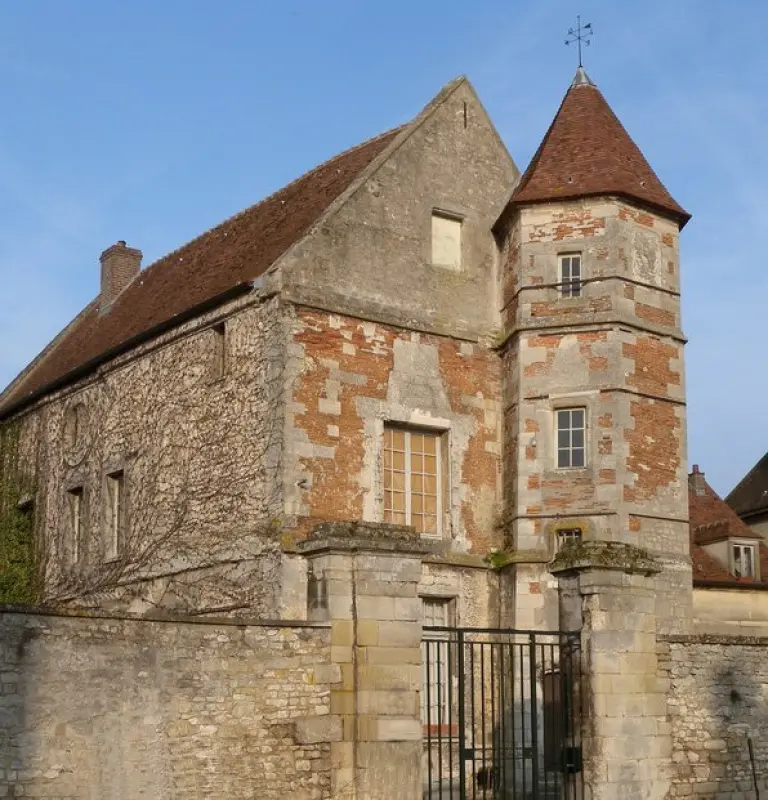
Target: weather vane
{"points": [[580, 34]]}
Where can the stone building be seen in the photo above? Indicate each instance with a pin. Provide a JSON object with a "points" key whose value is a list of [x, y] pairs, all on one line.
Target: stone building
{"points": [[408, 334], [411, 352], [749, 498]]}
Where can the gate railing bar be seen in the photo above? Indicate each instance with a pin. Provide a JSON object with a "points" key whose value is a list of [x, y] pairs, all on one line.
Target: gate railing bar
{"points": [[522, 719], [503, 631], [427, 673], [462, 720], [449, 705], [501, 769]]}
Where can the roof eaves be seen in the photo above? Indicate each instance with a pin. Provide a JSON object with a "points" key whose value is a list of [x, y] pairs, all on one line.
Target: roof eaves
{"points": [[43, 354], [85, 369]]}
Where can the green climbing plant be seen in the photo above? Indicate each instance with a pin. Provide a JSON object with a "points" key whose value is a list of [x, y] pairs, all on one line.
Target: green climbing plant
{"points": [[19, 581]]}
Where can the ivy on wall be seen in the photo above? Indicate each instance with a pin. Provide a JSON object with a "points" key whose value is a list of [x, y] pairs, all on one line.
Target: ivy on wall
{"points": [[19, 581]]}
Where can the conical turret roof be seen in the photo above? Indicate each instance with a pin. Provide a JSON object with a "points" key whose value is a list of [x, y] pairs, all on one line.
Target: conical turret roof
{"points": [[587, 152]]}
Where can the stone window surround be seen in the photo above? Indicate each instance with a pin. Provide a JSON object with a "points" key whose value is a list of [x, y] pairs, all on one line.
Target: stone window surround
{"points": [[450, 215], [76, 515], [219, 355], [559, 406], [586, 400], [566, 535], [114, 529], [418, 420], [408, 491], [569, 289]]}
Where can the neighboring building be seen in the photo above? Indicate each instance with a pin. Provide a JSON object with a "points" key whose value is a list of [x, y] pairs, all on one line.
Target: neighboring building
{"points": [[730, 561], [749, 499]]}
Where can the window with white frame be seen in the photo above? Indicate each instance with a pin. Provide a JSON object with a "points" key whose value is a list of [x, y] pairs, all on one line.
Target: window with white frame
{"points": [[75, 500], [570, 274], [571, 437], [446, 240], [412, 474], [437, 661], [743, 560], [115, 513]]}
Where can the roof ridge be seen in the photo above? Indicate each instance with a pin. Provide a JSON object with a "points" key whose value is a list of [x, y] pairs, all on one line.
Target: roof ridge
{"points": [[747, 477]]}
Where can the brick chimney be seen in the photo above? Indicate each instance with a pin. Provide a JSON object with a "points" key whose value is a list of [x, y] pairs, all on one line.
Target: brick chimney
{"points": [[120, 264], [696, 480]]}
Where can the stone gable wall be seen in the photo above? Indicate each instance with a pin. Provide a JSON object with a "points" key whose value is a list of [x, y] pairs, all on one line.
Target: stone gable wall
{"points": [[717, 698], [372, 257], [109, 708]]}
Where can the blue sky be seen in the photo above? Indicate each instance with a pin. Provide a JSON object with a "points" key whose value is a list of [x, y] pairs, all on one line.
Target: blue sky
{"points": [[151, 121]]}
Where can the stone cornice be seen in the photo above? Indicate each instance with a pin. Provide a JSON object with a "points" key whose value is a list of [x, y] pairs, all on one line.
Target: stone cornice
{"points": [[613, 556]]}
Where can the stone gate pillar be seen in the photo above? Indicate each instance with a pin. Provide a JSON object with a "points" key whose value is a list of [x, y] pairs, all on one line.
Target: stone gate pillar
{"points": [[608, 590], [363, 579]]}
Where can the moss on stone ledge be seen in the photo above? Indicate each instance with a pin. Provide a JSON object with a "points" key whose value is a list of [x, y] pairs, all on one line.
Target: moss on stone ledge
{"points": [[617, 556]]}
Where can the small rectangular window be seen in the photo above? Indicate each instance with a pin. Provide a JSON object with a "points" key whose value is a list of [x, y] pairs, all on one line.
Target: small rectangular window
{"points": [[571, 437], [743, 558], [446, 240], [219, 355], [567, 537], [570, 275], [115, 513], [76, 514], [412, 476]]}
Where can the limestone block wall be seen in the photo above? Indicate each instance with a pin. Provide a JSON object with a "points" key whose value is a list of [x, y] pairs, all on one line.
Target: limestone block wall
{"points": [[734, 611], [110, 708], [717, 699]]}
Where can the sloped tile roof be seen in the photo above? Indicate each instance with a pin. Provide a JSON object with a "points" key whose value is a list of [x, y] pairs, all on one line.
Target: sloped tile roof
{"points": [[587, 152], [713, 520], [750, 496], [226, 257]]}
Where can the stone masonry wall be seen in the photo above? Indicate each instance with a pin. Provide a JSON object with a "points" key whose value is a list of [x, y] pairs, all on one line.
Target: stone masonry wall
{"points": [[616, 351], [115, 709], [353, 376], [717, 699], [371, 257], [193, 422]]}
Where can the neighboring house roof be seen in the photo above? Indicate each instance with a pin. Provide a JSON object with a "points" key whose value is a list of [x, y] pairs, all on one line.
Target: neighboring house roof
{"points": [[750, 496], [713, 520], [219, 261], [587, 152]]}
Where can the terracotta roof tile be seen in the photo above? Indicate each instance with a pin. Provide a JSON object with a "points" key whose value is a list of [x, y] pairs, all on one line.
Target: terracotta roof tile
{"points": [[227, 256], [587, 152], [713, 520], [711, 516]]}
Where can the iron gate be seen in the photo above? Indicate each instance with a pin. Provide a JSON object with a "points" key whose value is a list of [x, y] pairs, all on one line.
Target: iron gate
{"points": [[501, 714]]}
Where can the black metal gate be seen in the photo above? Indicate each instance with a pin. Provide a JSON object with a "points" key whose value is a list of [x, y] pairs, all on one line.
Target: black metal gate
{"points": [[501, 714]]}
